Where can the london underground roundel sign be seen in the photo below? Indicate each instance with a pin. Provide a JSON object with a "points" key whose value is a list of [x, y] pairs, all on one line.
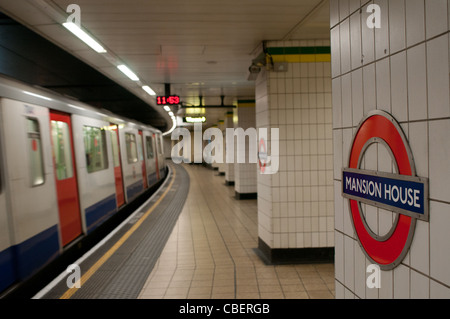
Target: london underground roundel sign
{"points": [[403, 193]]}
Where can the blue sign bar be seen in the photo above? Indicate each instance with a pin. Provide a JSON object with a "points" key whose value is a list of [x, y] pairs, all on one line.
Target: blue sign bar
{"points": [[403, 194]]}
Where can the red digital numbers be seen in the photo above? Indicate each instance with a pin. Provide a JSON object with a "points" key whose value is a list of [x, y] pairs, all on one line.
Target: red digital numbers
{"points": [[168, 100]]}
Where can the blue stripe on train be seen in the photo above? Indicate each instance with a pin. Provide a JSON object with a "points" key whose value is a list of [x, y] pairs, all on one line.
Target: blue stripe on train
{"points": [[100, 211], [36, 251], [20, 261], [134, 190], [7, 273]]}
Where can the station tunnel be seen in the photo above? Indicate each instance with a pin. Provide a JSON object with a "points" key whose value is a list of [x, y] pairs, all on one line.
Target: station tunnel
{"points": [[224, 150]]}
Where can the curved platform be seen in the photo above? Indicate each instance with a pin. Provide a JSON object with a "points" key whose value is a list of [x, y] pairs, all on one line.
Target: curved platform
{"points": [[191, 240]]}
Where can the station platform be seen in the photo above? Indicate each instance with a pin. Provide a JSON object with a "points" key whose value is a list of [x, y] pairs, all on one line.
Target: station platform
{"points": [[191, 240]]}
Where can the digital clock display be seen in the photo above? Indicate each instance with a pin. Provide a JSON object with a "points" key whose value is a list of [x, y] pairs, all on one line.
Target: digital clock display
{"points": [[168, 100]]}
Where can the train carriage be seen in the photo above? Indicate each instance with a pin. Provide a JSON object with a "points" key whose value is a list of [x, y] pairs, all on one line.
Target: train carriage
{"points": [[7, 276], [161, 167], [30, 186], [150, 156], [65, 168], [95, 168], [132, 158]]}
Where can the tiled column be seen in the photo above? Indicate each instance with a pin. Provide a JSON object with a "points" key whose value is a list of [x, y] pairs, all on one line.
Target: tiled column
{"points": [[228, 167], [245, 173], [214, 164], [401, 68], [221, 166], [295, 205]]}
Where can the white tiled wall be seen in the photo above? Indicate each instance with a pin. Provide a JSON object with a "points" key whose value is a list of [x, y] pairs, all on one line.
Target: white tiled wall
{"points": [[245, 173], [221, 127], [228, 167], [295, 206], [402, 68]]}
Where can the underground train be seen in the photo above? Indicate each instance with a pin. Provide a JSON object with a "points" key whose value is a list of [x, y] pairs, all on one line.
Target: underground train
{"points": [[65, 168]]}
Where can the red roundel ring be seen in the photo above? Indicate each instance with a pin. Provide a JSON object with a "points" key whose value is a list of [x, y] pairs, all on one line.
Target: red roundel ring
{"points": [[389, 252]]}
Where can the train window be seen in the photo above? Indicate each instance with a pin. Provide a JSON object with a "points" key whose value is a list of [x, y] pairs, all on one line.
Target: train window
{"points": [[130, 141], [95, 148], [62, 150], [115, 148], [35, 152], [139, 147], [149, 144]]}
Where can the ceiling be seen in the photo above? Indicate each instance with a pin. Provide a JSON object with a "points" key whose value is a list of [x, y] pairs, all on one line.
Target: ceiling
{"points": [[28, 57], [201, 47]]}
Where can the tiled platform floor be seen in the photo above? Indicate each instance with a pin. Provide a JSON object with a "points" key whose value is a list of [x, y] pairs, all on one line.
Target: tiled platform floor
{"points": [[210, 253]]}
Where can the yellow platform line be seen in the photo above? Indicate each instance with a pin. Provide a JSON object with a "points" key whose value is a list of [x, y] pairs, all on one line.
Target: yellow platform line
{"points": [[71, 291]]}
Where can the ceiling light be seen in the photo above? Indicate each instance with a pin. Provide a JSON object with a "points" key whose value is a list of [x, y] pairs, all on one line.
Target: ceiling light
{"points": [[149, 90], [190, 119], [167, 108], [83, 36], [171, 114], [195, 110], [125, 70]]}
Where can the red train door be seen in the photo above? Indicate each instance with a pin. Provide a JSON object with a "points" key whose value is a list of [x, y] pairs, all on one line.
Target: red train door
{"points": [[144, 169], [156, 156], [65, 176], [120, 195]]}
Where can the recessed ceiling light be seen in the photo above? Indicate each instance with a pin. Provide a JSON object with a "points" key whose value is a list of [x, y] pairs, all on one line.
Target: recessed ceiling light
{"points": [[125, 70], [192, 119], [148, 89], [83, 36]]}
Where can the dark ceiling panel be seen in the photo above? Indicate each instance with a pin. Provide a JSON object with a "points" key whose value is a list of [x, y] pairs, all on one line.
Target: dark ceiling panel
{"points": [[28, 57]]}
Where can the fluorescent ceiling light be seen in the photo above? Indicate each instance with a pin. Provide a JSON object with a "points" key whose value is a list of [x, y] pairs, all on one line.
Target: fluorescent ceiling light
{"points": [[149, 90], [83, 36], [125, 70], [195, 110], [167, 108], [171, 114], [190, 119]]}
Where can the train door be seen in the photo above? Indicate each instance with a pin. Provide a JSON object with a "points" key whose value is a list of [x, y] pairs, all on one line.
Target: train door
{"points": [[150, 150], [156, 157], [120, 195], [7, 273], [160, 155], [141, 158], [65, 176]]}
